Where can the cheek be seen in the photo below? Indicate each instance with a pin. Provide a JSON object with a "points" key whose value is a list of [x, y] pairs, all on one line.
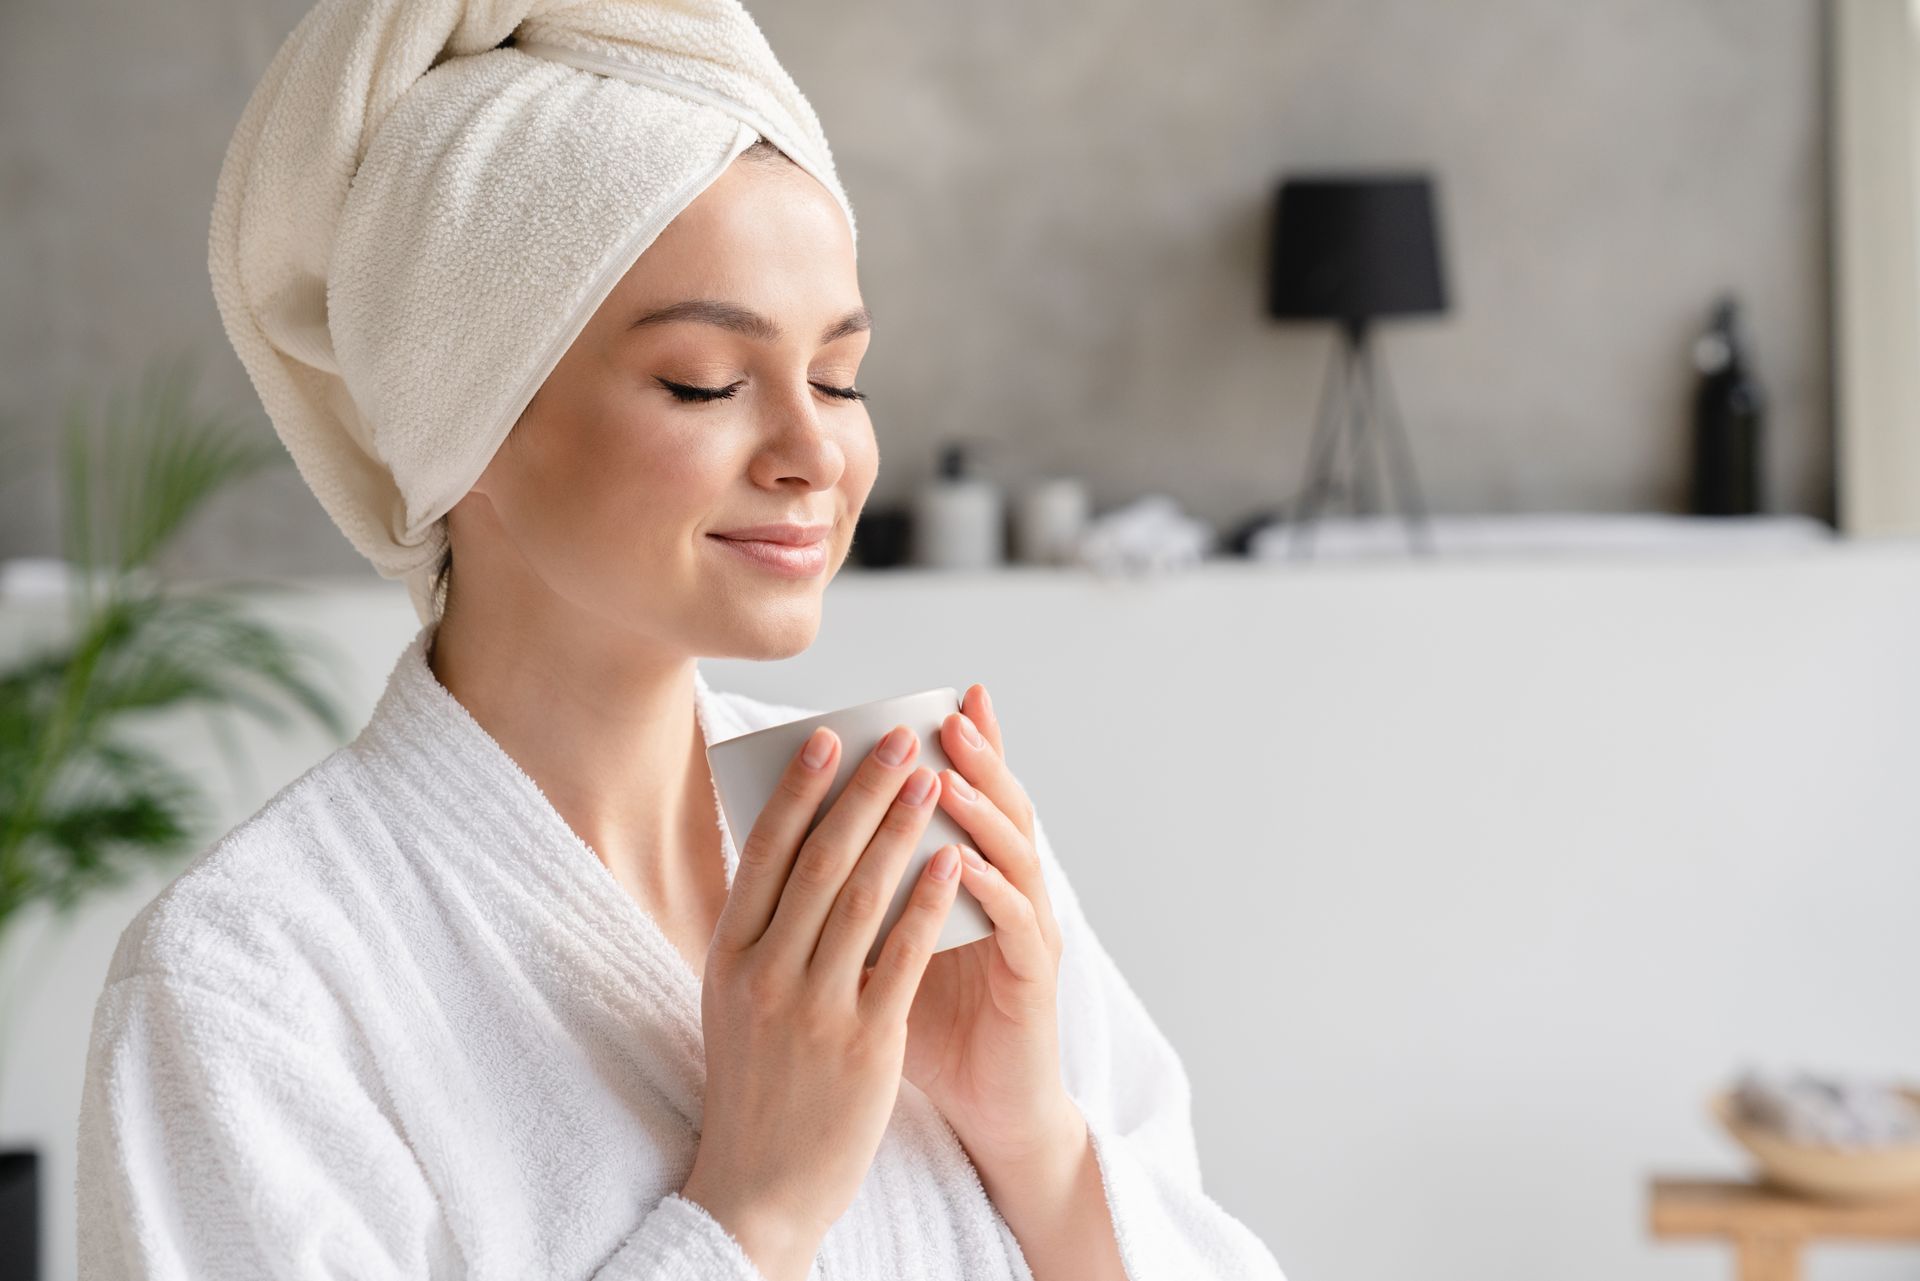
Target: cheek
{"points": [[633, 480]]}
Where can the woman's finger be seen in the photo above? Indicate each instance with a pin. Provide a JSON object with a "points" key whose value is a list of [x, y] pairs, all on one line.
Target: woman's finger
{"points": [[829, 853], [979, 708], [856, 915], [998, 837], [966, 746], [1016, 925], [767, 854], [888, 991]]}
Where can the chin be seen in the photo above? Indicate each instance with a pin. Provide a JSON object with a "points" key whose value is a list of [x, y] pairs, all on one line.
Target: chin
{"points": [[775, 630]]}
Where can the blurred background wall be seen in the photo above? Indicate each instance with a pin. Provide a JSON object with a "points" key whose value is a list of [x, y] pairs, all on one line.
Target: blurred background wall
{"points": [[1062, 219]]}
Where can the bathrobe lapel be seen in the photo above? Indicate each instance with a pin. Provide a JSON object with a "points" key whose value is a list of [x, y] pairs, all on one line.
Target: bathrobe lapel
{"points": [[591, 954], [588, 957]]}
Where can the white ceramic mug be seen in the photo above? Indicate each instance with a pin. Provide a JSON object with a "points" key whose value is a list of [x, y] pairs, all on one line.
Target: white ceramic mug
{"points": [[747, 769]]}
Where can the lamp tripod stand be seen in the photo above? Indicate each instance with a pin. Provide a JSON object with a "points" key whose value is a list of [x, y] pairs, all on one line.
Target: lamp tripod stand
{"points": [[1356, 406]]}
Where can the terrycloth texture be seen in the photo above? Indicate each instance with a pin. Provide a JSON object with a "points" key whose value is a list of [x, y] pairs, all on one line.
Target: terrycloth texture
{"points": [[412, 224], [402, 1023]]}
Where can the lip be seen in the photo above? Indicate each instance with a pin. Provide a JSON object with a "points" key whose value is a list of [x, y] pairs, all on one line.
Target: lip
{"points": [[789, 561], [792, 535]]}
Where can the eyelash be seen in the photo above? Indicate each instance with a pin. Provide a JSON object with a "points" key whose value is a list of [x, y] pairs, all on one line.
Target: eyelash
{"points": [[696, 395]]}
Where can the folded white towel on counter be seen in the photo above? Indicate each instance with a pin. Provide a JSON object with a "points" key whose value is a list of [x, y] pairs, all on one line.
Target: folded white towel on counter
{"points": [[413, 222], [1148, 535]]}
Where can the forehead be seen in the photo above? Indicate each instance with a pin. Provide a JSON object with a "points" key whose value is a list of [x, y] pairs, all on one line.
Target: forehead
{"points": [[773, 214], [768, 237], [764, 252]]}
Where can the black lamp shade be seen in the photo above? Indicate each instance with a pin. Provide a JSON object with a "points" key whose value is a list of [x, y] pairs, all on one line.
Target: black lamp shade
{"points": [[1352, 248]]}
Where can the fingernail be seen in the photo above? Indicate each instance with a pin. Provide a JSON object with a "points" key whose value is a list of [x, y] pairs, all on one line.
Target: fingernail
{"points": [[893, 748], [969, 732], [973, 857], [918, 784], [819, 747], [944, 864], [960, 785]]}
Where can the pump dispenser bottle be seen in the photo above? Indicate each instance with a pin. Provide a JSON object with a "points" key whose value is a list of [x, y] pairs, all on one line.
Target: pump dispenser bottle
{"points": [[959, 518]]}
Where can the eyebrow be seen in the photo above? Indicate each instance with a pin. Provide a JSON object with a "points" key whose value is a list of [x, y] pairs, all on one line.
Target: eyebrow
{"points": [[710, 311]]}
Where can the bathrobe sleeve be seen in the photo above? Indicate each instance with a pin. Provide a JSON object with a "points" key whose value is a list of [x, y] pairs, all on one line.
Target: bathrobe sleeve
{"points": [[1132, 1088], [214, 1143]]}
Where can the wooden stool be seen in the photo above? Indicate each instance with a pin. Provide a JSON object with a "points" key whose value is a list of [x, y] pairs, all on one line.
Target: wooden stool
{"points": [[1767, 1227]]}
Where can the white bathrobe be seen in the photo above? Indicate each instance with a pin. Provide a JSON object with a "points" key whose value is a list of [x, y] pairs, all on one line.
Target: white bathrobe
{"points": [[401, 1022]]}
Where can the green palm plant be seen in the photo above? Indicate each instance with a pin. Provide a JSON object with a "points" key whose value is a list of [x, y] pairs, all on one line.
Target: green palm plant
{"points": [[82, 803]]}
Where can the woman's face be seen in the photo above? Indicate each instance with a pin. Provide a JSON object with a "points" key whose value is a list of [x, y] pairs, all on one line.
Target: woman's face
{"points": [[707, 393]]}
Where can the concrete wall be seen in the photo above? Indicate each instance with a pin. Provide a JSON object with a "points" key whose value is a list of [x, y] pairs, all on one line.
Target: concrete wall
{"points": [[1062, 216]]}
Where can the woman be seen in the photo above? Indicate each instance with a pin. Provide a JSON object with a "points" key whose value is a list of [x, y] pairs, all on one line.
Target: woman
{"points": [[492, 991]]}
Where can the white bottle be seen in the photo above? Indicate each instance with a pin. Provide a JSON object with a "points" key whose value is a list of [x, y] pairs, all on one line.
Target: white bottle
{"points": [[959, 516], [1048, 518]]}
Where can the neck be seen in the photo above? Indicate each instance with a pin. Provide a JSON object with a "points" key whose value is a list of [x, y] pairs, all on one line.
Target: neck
{"points": [[606, 727]]}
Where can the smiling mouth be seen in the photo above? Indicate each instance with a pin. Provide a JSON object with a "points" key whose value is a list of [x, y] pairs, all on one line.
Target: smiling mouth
{"points": [[803, 561]]}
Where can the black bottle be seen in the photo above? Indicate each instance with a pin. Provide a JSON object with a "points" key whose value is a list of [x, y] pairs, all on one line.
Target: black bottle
{"points": [[1729, 413]]}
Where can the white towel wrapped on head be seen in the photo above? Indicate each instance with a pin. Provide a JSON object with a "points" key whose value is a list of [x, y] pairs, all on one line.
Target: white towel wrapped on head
{"points": [[415, 219]]}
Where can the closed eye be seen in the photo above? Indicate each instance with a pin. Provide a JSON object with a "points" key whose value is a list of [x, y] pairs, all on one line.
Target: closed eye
{"points": [[692, 395]]}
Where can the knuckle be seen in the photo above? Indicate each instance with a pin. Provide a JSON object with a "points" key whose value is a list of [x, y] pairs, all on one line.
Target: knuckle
{"points": [[759, 851], [930, 904], [888, 968], [814, 872], [903, 820], [875, 780], [891, 981], [859, 900], [794, 788]]}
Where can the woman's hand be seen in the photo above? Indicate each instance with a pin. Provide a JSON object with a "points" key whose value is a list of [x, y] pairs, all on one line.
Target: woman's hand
{"points": [[805, 1046], [983, 1032]]}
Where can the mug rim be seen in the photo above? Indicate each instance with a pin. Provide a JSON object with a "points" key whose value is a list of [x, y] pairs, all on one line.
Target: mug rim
{"points": [[838, 711]]}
